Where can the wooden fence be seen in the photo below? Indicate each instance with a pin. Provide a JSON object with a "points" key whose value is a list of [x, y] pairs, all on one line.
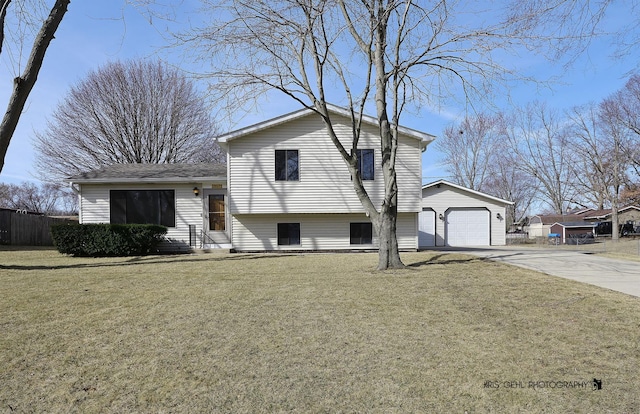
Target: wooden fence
{"points": [[27, 229]]}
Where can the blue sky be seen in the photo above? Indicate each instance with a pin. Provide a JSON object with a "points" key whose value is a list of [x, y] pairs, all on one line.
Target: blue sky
{"points": [[96, 32]]}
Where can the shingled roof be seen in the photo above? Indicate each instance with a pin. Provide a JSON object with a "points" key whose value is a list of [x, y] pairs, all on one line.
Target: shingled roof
{"points": [[126, 173], [555, 218], [606, 213]]}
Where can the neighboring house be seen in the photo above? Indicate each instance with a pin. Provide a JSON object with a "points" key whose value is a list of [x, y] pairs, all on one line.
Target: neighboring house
{"points": [[581, 211], [453, 215], [187, 198], [628, 214], [540, 225], [572, 230], [285, 187], [289, 188]]}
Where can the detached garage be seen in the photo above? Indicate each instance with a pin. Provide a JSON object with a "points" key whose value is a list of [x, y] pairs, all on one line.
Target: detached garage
{"points": [[457, 216]]}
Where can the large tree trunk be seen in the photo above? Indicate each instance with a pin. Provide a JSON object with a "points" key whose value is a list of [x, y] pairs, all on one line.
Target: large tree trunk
{"points": [[616, 190], [388, 254], [23, 85], [615, 226]]}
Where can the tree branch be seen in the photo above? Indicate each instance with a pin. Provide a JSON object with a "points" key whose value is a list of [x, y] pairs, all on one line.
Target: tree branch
{"points": [[24, 84]]}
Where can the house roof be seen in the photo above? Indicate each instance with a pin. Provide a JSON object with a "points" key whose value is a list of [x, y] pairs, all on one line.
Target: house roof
{"points": [[424, 138], [581, 212], [597, 214], [468, 190], [575, 224], [556, 218], [134, 173], [601, 214]]}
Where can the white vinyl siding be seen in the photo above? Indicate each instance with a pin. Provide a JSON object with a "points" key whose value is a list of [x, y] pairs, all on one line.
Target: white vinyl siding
{"points": [[539, 230], [254, 232], [324, 184], [94, 199], [442, 199]]}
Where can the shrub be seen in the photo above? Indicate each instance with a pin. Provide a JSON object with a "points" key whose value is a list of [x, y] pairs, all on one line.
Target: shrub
{"points": [[98, 240]]}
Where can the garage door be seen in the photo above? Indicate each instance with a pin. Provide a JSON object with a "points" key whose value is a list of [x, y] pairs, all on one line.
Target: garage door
{"points": [[467, 227], [426, 228]]}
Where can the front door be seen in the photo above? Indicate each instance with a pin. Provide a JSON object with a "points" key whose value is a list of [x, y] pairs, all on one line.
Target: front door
{"points": [[214, 215], [217, 217]]}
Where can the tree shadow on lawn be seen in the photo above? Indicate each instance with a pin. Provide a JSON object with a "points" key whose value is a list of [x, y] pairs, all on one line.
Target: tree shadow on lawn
{"points": [[182, 258], [142, 260], [437, 260]]}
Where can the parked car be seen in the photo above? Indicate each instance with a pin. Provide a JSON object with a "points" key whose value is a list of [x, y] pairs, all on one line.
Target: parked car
{"points": [[604, 229]]}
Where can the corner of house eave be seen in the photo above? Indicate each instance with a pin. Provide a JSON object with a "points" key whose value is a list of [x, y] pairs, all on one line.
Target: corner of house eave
{"points": [[222, 143], [424, 142]]}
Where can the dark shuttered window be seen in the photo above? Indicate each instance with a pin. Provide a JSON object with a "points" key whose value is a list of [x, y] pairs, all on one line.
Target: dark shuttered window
{"points": [[143, 207]]}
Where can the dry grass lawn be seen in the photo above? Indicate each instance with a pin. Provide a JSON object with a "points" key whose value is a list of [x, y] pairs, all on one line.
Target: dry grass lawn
{"points": [[308, 333]]}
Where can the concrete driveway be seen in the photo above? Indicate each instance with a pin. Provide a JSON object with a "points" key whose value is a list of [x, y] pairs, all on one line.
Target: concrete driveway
{"points": [[615, 274]]}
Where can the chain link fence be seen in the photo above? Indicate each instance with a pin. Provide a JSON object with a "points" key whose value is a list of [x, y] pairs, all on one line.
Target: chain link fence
{"points": [[624, 246]]}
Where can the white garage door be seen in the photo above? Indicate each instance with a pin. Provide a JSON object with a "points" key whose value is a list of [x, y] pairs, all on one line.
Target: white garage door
{"points": [[467, 227], [426, 228]]}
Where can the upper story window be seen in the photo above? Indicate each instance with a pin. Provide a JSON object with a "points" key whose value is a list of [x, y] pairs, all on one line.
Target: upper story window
{"points": [[366, 163], [143, 207], [287, 165]]}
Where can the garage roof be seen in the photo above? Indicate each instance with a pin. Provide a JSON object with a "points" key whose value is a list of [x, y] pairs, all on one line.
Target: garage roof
{"points": [[468, 190]]}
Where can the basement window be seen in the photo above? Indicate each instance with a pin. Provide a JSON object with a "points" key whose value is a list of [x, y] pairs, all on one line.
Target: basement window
{"points": [[361, 233], [288, 234]]}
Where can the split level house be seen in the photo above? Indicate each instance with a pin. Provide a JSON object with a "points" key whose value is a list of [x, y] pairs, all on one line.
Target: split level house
{"points": [[284, 187]]}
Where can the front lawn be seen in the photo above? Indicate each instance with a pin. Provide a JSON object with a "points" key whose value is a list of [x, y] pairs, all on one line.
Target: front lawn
{"points": [[308, 333]]}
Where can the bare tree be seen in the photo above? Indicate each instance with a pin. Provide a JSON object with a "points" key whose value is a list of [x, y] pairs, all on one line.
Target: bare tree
{"points": [[593, 157], [630, 195], [627, 37], [620, 125], [623, 107], [127, 112], [477, 157], [470, 148], [46, 198], [600, 164], [405, 52], [23, 84], [538, 139], [505, 180]]}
